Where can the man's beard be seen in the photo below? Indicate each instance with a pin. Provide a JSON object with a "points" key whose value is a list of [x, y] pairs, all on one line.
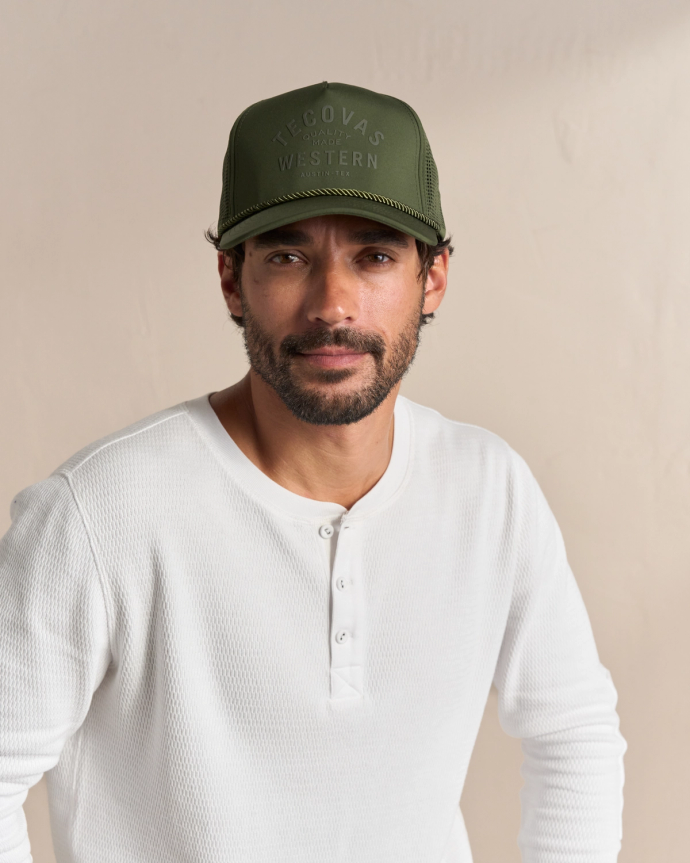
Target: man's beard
{"points": [[308, 403]]}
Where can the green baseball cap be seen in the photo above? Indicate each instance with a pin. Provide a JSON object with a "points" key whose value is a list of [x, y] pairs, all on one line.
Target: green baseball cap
{"points": [[324, 149]]}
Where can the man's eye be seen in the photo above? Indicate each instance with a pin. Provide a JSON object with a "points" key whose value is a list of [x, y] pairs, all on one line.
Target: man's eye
{"points": [[285, 258], [378, 257]]}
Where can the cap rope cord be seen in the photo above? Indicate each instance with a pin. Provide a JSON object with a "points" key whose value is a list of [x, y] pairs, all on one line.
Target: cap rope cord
{"points": [[313, 193]]}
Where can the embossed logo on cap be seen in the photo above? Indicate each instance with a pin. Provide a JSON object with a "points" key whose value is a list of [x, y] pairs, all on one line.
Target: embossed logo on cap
{"points": [[328, 133]]}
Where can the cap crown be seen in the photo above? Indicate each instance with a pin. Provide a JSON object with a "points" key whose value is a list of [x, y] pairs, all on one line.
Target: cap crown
{"points": [[330, 139]]}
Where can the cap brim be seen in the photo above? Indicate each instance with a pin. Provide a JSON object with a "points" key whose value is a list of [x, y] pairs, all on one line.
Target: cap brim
{"points": [[326, 205]]}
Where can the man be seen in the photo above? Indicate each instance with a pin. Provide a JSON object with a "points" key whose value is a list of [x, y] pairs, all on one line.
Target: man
{"points": [[262, 625]]}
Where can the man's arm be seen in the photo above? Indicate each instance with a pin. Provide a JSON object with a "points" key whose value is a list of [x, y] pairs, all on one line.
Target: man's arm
{"points": [[54, 647], [556, 696]]}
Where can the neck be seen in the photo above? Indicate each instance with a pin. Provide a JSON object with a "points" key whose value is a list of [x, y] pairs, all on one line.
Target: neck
{"points": [[339, 463]]}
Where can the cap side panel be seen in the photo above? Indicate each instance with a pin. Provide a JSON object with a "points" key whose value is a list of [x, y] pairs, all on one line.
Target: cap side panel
{"points": [[227, 186], [416, 123], [227, 198], [234, 184]]}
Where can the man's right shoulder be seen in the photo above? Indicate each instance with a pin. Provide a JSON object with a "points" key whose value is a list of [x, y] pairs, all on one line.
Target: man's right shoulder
{"points": [[132, 459], [131, 441], [130, 470]]}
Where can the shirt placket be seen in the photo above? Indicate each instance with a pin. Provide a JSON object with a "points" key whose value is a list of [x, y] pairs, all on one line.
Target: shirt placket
{"points": [[347, 617]]}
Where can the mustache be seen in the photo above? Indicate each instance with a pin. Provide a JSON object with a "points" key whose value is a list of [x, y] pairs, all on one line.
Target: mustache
{"points": [[341, 337]]}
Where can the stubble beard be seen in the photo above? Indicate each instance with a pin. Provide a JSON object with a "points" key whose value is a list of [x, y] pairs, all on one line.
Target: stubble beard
{"points": [[310, 403]]}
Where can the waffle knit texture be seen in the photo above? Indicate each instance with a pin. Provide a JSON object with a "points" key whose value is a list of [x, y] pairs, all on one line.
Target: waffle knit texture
{"points": [[208, 667]]}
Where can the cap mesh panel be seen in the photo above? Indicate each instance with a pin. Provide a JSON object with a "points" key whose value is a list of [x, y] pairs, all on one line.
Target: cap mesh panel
{"points": [[433, 203], [225, 195]]}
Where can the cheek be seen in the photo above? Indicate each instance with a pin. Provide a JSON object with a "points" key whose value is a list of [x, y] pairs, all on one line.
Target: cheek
{"points": [[273, 305], [390, 307]]}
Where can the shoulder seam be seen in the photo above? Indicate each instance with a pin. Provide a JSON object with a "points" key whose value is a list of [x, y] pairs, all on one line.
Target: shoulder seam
{"points": [[99, 569], [121, 438]]}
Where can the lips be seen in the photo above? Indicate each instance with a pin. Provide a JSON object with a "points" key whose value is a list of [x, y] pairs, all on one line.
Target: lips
{"points": [[331, 352], [331, 344], [332, 357]]}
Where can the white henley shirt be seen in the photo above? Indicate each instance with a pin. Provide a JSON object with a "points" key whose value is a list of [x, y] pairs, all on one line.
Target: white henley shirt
{"points": [[208, 667]]}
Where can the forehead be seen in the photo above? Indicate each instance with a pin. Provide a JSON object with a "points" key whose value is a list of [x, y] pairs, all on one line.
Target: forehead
{"points": [[344, 229]]}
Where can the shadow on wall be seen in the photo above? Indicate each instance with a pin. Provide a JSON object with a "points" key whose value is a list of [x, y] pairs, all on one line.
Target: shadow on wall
{"points": [[509, 41]]}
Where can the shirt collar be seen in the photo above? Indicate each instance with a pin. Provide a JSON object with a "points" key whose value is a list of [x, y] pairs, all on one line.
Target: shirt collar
{"points": [[258, 485]]}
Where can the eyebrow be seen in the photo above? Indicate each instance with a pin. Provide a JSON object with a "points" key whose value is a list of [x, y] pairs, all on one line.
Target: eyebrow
{"points": [[380, 235], [282, 237]]}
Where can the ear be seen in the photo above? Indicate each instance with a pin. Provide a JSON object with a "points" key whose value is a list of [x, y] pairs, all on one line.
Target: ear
{"points": [[229, 287], [436, 282]]}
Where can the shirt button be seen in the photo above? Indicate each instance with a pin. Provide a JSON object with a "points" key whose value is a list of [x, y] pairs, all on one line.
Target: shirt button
{"points": [[340, 583], [326, 531], [341, 636]]}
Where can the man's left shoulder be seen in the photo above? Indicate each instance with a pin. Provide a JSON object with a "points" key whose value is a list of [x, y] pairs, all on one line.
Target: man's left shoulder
{"points": [[452, 444]]}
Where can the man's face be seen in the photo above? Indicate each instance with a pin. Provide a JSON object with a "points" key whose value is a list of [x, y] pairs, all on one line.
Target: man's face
{"points": [[332, 310]]}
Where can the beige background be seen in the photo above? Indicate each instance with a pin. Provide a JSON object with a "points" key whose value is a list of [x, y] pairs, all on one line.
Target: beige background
{"points": [[562, 134]]}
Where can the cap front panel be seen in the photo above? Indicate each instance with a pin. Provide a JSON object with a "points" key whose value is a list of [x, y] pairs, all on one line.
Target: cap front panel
{"points": [[328, 136]]}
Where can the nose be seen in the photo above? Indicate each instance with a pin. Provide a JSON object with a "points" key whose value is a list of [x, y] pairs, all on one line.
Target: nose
{"points": [[333, 297]]}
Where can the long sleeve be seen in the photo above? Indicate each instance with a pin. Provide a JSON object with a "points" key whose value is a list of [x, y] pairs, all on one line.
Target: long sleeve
{"points": [[54, 646], [554, 694]]}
